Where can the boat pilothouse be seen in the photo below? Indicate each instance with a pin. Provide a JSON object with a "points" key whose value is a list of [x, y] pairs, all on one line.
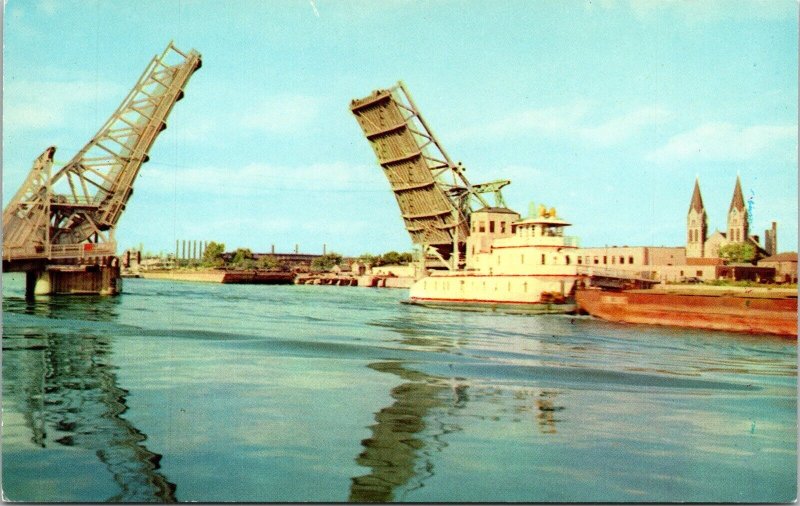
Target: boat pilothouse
{"points": [[513, 263]]}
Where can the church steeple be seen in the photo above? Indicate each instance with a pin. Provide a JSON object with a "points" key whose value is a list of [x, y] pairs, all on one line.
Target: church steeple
{"points": [[737, 215], [697, 199], [696, 224], [737, 202]]}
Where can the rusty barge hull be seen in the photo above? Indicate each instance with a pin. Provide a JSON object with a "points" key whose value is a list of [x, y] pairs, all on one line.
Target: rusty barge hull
{"points": [[258, 278], [735, 313]]}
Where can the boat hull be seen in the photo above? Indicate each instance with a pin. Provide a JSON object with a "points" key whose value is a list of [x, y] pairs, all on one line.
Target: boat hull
{"points": [[495, 306], [727, 312]]}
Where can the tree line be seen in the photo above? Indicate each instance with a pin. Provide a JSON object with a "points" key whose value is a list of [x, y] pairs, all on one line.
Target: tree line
{"points": [[214, 256]]}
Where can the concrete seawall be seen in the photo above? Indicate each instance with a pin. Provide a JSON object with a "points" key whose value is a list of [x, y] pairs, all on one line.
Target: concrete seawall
{"points": [[209, 276]]}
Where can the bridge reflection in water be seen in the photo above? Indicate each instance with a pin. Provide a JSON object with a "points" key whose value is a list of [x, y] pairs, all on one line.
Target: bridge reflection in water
{"points": [[426, 409], [66, 388]]}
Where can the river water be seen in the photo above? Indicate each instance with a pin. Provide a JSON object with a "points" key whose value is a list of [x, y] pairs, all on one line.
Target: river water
{"points": [[207, 392]]}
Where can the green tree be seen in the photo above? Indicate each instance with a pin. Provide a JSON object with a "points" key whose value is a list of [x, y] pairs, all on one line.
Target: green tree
{"points": [[243, 259], [270, 262], [372, 260], [391, 257], [738, 252], [326, 262], [212, 256]]}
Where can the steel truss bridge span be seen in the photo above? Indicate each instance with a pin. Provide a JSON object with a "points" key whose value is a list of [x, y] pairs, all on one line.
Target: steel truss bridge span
{"points": [[69, 217], [434, 195]]}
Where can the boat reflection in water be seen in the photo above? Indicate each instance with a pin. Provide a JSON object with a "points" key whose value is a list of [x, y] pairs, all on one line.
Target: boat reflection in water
{"points": [[66, 390]]}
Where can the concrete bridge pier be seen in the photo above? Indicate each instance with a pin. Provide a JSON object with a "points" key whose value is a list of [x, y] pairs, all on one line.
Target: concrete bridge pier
{"points": [[101, 278]]}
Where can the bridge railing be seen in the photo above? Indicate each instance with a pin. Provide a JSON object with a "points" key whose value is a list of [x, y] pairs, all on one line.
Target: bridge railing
{"points": [[60, 251]]}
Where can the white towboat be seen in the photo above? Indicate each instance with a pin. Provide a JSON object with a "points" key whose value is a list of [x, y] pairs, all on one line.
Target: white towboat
{"points": [[512, 265]]}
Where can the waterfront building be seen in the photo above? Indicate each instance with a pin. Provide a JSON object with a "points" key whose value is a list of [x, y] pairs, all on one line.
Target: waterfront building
{"points": [[785, 265], [650, 262], [699, 258]]}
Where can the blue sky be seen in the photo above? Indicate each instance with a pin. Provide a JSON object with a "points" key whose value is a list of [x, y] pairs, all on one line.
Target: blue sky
{"points": [[607, 110]]}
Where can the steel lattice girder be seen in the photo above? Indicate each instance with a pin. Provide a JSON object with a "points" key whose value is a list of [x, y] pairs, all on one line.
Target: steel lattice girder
{"points": [[432, 192], [86, 197]]}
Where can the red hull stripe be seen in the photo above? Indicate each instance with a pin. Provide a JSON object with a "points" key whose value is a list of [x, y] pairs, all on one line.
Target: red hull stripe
{"points": [[526, 302], [467, 275]]}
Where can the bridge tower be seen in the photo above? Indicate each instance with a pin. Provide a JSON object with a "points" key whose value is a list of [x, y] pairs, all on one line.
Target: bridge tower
{"points": [[59, 228], [434, 195]]}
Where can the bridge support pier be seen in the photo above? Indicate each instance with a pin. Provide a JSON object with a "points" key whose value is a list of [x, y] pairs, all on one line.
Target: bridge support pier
{"points": [[74, 279]]}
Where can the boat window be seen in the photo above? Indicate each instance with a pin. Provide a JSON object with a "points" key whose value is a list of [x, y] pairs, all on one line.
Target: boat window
{"points": [[567, 259], [605, 260], [543, 259], [502, 227], [630, 260], [481, 227], [622, 260], [596, 261], [522, 259], [491, 227], [579, 260]]}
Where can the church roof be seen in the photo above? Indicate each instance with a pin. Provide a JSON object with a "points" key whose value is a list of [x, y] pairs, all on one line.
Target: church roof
{"points": [[737, 202], [697, 199]]}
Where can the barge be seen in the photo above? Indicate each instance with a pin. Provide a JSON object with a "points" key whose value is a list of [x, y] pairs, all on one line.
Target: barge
{"points": [[258, 277], [754, 310]]}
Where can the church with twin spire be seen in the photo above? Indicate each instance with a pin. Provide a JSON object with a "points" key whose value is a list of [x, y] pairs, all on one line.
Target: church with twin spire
{"points": [[701, 245]]}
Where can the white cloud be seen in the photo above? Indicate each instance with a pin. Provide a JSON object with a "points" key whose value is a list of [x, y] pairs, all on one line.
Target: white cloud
{"points": [[621, 128], [282, 114], [570, 121], [724, 142], [549, 120], [256, 178], [49, 104]]}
